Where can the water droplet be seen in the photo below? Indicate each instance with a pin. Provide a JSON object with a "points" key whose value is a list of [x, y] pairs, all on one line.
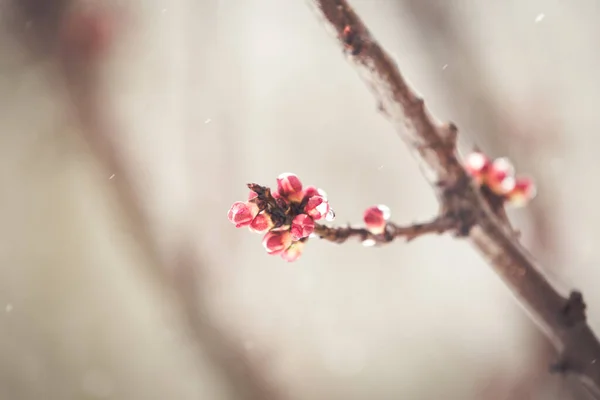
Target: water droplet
{"points": [[330, 216], [503, 165], [539, 18], [9, 307], [112, 176], [380, 167], [313, 236], [508, 184], [285, 175], [445, 66], [387, 213], [207, 121], [368, 243]]}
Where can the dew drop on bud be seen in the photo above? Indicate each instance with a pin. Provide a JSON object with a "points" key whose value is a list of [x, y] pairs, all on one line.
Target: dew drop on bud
{"points": [[330, 216], [387, 213], [322, 193], [313, 236], [507, 185], [368, 243]]}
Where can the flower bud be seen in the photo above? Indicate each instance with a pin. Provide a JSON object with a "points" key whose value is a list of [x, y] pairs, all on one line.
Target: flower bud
{"points": [[293, 252], [317, 207], [477, 165], [261, 223], [311, 191], [242, 214], [523, 192], [376, 218], [500, 177], [302, 226], [289, 186], [275, 242]]}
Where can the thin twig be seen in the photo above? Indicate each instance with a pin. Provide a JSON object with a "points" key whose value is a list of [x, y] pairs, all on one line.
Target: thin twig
{"points": [[562, 319], [438, 225]]}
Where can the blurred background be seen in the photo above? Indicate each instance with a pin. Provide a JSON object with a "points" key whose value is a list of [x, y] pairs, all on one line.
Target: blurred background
{"points": [[128, 127]]}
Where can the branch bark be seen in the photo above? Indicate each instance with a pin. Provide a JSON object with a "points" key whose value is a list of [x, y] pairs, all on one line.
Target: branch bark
{"points": [[561, 318], [439, 225]]}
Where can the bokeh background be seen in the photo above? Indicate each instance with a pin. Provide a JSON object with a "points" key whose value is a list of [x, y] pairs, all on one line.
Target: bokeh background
{"points": [[121, 278]]}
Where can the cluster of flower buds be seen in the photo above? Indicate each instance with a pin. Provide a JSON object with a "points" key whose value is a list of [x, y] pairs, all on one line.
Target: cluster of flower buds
{"points": [[287, 216], [498, 176]]}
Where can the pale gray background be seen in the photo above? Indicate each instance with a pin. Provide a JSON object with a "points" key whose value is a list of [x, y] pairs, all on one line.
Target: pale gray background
{"points": [[207, 95]]}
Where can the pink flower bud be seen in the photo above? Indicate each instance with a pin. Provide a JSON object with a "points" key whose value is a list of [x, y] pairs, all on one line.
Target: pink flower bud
{"points": [[275, 242], [289, 186], [500, 177], [317, 207], [311, 191], [242, 214], [376, 218], [523, 192], [281, 202], [293, 252], [261, 223], [302, 226], [477, 165]]}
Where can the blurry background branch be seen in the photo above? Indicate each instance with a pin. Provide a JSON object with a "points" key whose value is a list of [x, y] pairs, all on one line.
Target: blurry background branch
{"points": [[85, 38], [78, 40]]}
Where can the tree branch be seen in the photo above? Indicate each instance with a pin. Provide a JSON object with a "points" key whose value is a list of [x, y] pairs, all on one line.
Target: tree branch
{"points": [[562, 319], [437, 225]]}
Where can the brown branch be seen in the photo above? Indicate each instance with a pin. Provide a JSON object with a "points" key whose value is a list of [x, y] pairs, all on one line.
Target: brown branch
{"points": [[561, 319], [438, 225]]}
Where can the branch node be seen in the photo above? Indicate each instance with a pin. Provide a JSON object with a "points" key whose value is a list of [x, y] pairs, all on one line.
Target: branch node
{"points": [[465, 220], [573, 311], [456, 207], [449, 133], [560, 367], [565, 365]]}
